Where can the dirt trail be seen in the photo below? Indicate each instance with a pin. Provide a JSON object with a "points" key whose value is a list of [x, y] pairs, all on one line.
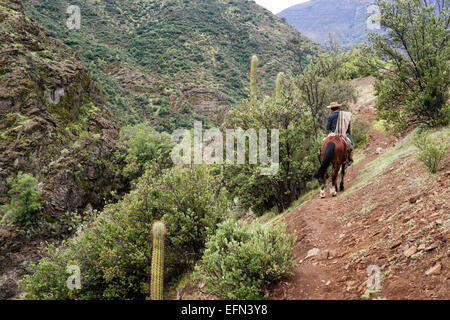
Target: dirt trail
{"points": [[351, 232]]}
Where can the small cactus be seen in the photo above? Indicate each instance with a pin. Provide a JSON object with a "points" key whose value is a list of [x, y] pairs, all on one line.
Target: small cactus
{"points": [[253, 76], [157, 273], [279, 85]]}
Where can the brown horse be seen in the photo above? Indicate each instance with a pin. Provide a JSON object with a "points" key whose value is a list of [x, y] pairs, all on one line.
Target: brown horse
{"points": [[334, 151]]}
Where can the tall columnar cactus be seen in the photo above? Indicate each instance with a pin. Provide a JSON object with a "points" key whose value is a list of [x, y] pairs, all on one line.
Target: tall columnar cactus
{"points": [[279, 85], [157, 273], [253, 75]]}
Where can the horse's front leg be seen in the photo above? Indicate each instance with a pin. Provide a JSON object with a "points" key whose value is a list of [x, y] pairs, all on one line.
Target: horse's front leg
{"points": [[324, 185], [342, 177]]}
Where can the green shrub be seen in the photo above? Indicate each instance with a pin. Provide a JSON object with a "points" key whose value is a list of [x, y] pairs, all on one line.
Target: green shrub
{"points": [[24, 201], [360, 133], [431, 152], [240, 260], [113, 252], [415, 42], [145, 146], [49, 280], [298, 151], [361, 62]]}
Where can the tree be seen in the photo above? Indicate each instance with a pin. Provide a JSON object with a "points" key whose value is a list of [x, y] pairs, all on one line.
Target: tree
{"points": [[362, 61], [416, 88], [297, 150], [324, 81], [24, 200], [301, 54], [145, 146]]}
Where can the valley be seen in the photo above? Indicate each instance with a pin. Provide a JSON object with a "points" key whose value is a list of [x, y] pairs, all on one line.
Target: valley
{"points": [[169, 150]]}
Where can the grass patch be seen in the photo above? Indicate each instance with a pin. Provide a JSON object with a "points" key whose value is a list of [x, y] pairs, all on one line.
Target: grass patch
{"points": [[442, 133], [368, 293], [185, 280], [380, 126], [358, 156], [13, 122], [272, 217], [432, 147], [367, 208], [404, 149]]}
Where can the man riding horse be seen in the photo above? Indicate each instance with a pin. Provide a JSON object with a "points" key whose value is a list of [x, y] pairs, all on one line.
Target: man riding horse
{"points": [[345, 119], [337, 149]]}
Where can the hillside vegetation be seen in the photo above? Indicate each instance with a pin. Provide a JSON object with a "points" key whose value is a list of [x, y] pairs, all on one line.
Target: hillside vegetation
{"points": [[57, 140], [53, 123], [113, 251], [173, 61], [223, 231]]}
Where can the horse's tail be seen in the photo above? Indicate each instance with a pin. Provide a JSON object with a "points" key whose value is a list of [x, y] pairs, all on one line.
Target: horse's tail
{"points": [[327, 158]]}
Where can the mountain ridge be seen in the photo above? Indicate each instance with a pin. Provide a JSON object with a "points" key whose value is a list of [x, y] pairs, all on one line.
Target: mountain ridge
{"points": [[346, 19], [176, 60]]}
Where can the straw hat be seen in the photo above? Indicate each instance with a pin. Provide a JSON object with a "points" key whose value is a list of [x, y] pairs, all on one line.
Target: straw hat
{"points": [[334, 105]]}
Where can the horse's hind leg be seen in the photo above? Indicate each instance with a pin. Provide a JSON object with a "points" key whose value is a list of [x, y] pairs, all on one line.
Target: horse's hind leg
{"points": [[324, 184], [334, 189], [342, 177]]}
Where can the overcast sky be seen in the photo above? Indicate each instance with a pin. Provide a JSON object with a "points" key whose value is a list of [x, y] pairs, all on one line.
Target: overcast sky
{"points": [[276, 6]]}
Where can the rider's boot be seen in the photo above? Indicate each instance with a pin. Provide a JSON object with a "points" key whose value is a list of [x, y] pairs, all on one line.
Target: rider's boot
{"points": [[350, 155]]}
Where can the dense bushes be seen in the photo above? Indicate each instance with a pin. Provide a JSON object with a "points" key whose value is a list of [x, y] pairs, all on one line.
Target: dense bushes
{"points": [[241, 260], [416, 88], [360, 133], [361, 62], [297, 152], [431, 151], [199, 44], [298, 111], [113, 252], [24, 201], [144, 147]]}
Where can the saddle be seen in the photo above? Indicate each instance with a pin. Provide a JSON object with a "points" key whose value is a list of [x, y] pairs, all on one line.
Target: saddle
{"points": [[347, 141], [348, 146]]}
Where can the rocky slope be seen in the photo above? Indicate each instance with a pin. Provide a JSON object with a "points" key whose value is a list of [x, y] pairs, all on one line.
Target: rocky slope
{"points": [[52, 120], [169, 62], [347, 19], [53, 124]]}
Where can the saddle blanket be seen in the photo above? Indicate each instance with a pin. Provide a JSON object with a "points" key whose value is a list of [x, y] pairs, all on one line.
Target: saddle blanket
{"points": [[346, 139]]}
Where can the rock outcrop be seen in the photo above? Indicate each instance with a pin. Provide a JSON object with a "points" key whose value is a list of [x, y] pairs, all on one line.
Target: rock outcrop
{"points": [[52, 120]]}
